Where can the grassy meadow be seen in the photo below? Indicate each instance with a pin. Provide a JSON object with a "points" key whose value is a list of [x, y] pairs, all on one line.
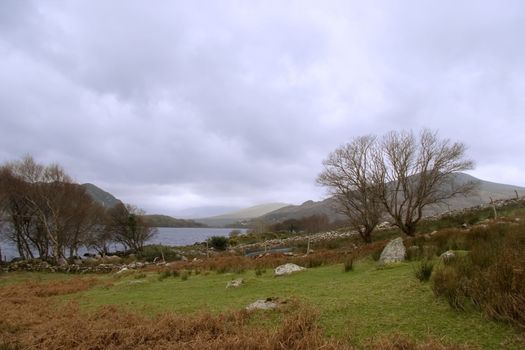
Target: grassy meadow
{"points": [[474, 301], [355, 307]]}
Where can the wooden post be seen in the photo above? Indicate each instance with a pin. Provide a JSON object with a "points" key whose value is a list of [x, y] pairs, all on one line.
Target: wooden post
{"points": [[308, 247], [162, 254], [517, 196], [494, 208]]}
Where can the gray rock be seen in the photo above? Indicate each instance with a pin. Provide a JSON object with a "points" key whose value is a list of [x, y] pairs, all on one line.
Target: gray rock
{"points": [[449, 254], [287, 269], [261, 304], [235, 283], [124, 269], [394, 252]]}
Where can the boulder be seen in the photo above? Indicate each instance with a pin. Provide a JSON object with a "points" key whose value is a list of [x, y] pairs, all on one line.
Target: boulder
{"points": [[287, 269], [448, 255], [261, 304], [235, 283], [394, 252], [124, 269]]}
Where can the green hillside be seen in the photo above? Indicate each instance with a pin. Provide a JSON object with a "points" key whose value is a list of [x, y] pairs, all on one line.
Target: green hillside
{"points": [[168, 221]]}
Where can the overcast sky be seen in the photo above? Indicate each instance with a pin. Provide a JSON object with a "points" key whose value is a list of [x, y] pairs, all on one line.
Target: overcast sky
{"points": [[172, 105]]}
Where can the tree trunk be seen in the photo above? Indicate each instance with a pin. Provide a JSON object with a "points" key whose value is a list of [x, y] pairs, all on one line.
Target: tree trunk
{"points": [[366, 235]]}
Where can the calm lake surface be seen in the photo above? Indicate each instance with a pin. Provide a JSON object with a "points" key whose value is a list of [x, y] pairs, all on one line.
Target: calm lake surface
{"points": [[173, 236]]}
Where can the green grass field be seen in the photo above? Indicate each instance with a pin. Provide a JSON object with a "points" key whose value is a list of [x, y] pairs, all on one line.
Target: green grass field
{"points": [[357, 306]]}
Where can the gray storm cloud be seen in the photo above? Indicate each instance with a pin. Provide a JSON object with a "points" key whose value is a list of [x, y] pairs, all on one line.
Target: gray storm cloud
{"points": [[187, 104]]}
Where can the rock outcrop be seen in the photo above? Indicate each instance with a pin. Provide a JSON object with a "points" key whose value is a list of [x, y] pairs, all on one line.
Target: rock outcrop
{"points": [[287, 269], [394, 252], [236, 283]]}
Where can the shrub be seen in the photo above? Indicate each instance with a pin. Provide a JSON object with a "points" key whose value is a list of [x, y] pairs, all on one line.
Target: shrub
{"points": [[164, 274], [259, 271], [184, 275], [376, 255], [446, 283], [139, 276], [413, 253], [430, 251], [423, 270], [492, 275], [158, 251], [313, 261], [219, 242]]}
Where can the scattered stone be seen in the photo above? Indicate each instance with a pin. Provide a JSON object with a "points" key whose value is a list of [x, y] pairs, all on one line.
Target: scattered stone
{"points": [[112, 259], [394, 252], [235, 283], [384, 225], [448, 255], [262, 304], [61, 262], [287, 269], [124, 269]]}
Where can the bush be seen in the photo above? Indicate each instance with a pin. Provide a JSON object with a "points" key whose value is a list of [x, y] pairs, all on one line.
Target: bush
{"points": [[219, 242], [158, 251], [313, 261], [446, 283], [184, 275], [376, 255], [492, 275], [423, 270], [259, 271], [164, 274], [413, 253]]}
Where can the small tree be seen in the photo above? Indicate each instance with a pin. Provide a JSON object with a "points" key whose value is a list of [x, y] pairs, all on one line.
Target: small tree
{"points": [[129, 227], [219, 242], [412, 173], [348, 175]]}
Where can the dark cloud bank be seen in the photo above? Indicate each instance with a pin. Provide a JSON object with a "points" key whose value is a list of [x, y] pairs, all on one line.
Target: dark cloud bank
{"points": [[173, 105]]}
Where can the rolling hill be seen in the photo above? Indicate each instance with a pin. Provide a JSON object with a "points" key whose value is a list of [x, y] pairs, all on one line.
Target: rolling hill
{"points": [[241, 215], [486, 191], [168, 221], [100, 196]]}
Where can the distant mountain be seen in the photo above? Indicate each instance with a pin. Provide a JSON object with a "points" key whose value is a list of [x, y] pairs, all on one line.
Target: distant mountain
{"points": [[241, 215], [204, 211], [168, 221], [106, 199], [486, 191]]}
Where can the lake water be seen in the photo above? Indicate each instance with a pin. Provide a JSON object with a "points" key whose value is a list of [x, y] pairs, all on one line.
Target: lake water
{"points": [[173, 236]]}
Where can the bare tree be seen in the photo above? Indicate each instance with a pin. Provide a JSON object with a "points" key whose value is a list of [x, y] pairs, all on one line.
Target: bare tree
{"points": [[348, 175], [413, 173], [129, 227], [47, 212]]}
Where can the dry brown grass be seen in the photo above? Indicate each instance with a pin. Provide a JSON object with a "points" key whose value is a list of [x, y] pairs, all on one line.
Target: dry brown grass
{"points": [[402, 342], [31, 321], [491, 276], [236, 263]]}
